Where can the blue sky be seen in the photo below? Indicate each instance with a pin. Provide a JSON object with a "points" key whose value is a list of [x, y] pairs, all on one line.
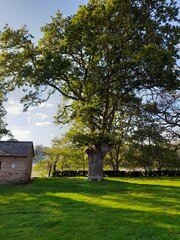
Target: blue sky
{"points": [[37, 123]]}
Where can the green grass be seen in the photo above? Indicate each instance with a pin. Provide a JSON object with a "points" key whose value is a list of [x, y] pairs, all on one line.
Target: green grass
{"points": [[73, 208]]}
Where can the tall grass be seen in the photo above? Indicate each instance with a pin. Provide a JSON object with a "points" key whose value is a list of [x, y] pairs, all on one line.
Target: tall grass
{"points": [[72, 208]]}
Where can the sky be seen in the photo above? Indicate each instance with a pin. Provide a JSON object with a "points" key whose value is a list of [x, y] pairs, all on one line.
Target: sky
{"points": [[37, 123]]}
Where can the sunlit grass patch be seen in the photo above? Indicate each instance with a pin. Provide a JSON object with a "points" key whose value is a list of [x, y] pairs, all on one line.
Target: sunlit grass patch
{"points": [[73, 208]]}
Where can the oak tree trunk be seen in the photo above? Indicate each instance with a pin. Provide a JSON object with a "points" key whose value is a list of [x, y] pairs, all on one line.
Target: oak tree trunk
{"points": [[95, 161]]}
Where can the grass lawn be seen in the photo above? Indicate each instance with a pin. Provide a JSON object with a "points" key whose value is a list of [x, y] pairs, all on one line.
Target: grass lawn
{"points": [[75, 209]]}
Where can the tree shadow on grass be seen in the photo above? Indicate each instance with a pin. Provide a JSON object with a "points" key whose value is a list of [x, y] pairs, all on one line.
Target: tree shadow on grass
{"points": [[76, 209]]}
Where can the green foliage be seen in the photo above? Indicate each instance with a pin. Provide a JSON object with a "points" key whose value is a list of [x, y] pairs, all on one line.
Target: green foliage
{"points": [[42, 168], [63, 155], [3, 125], [152, 157], [95, 58], [151, 148], [112, 62], [72, 156]]}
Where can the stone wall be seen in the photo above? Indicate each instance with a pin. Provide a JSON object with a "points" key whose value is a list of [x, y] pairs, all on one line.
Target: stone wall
{"points": [[14, 170]]}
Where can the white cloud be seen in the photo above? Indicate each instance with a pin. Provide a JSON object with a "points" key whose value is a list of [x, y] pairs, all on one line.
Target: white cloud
{"points": [[14, 107], [45, 105], [41, 116], [11, 101], [29, 119], [42, 124], [31, 108], [21, 134], [36, 116]]}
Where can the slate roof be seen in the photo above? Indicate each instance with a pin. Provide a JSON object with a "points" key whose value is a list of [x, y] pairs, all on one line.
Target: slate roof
{"points": [[15, 148]]}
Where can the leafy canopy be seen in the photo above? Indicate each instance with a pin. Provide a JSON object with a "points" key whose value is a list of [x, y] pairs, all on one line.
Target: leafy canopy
{"points": [[108, 52]]}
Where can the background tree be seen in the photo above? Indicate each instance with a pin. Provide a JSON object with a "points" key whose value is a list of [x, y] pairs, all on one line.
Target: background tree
{"points": [[151, 149], [107, 51], [49, 164], [3, 125], [73, 156], [39, 152], [62, 156], [165, 106], [126, 120]]}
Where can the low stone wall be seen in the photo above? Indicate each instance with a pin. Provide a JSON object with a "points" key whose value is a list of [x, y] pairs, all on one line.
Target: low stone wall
{"points": [[120, 173]]}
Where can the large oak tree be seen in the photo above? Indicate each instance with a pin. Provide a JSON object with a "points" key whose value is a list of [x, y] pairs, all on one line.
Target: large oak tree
{"points": [[107, 52]]}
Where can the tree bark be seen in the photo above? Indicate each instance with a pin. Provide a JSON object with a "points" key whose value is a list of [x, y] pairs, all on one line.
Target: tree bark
{"points": [[95, 161], [49, 170]]}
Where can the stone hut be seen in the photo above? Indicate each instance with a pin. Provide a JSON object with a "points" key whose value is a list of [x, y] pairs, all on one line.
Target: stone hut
{"points": [[16, 161]]}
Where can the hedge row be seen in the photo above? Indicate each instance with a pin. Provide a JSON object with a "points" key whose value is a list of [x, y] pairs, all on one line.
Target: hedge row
{"points": [[119, 174], [70, 174]]}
